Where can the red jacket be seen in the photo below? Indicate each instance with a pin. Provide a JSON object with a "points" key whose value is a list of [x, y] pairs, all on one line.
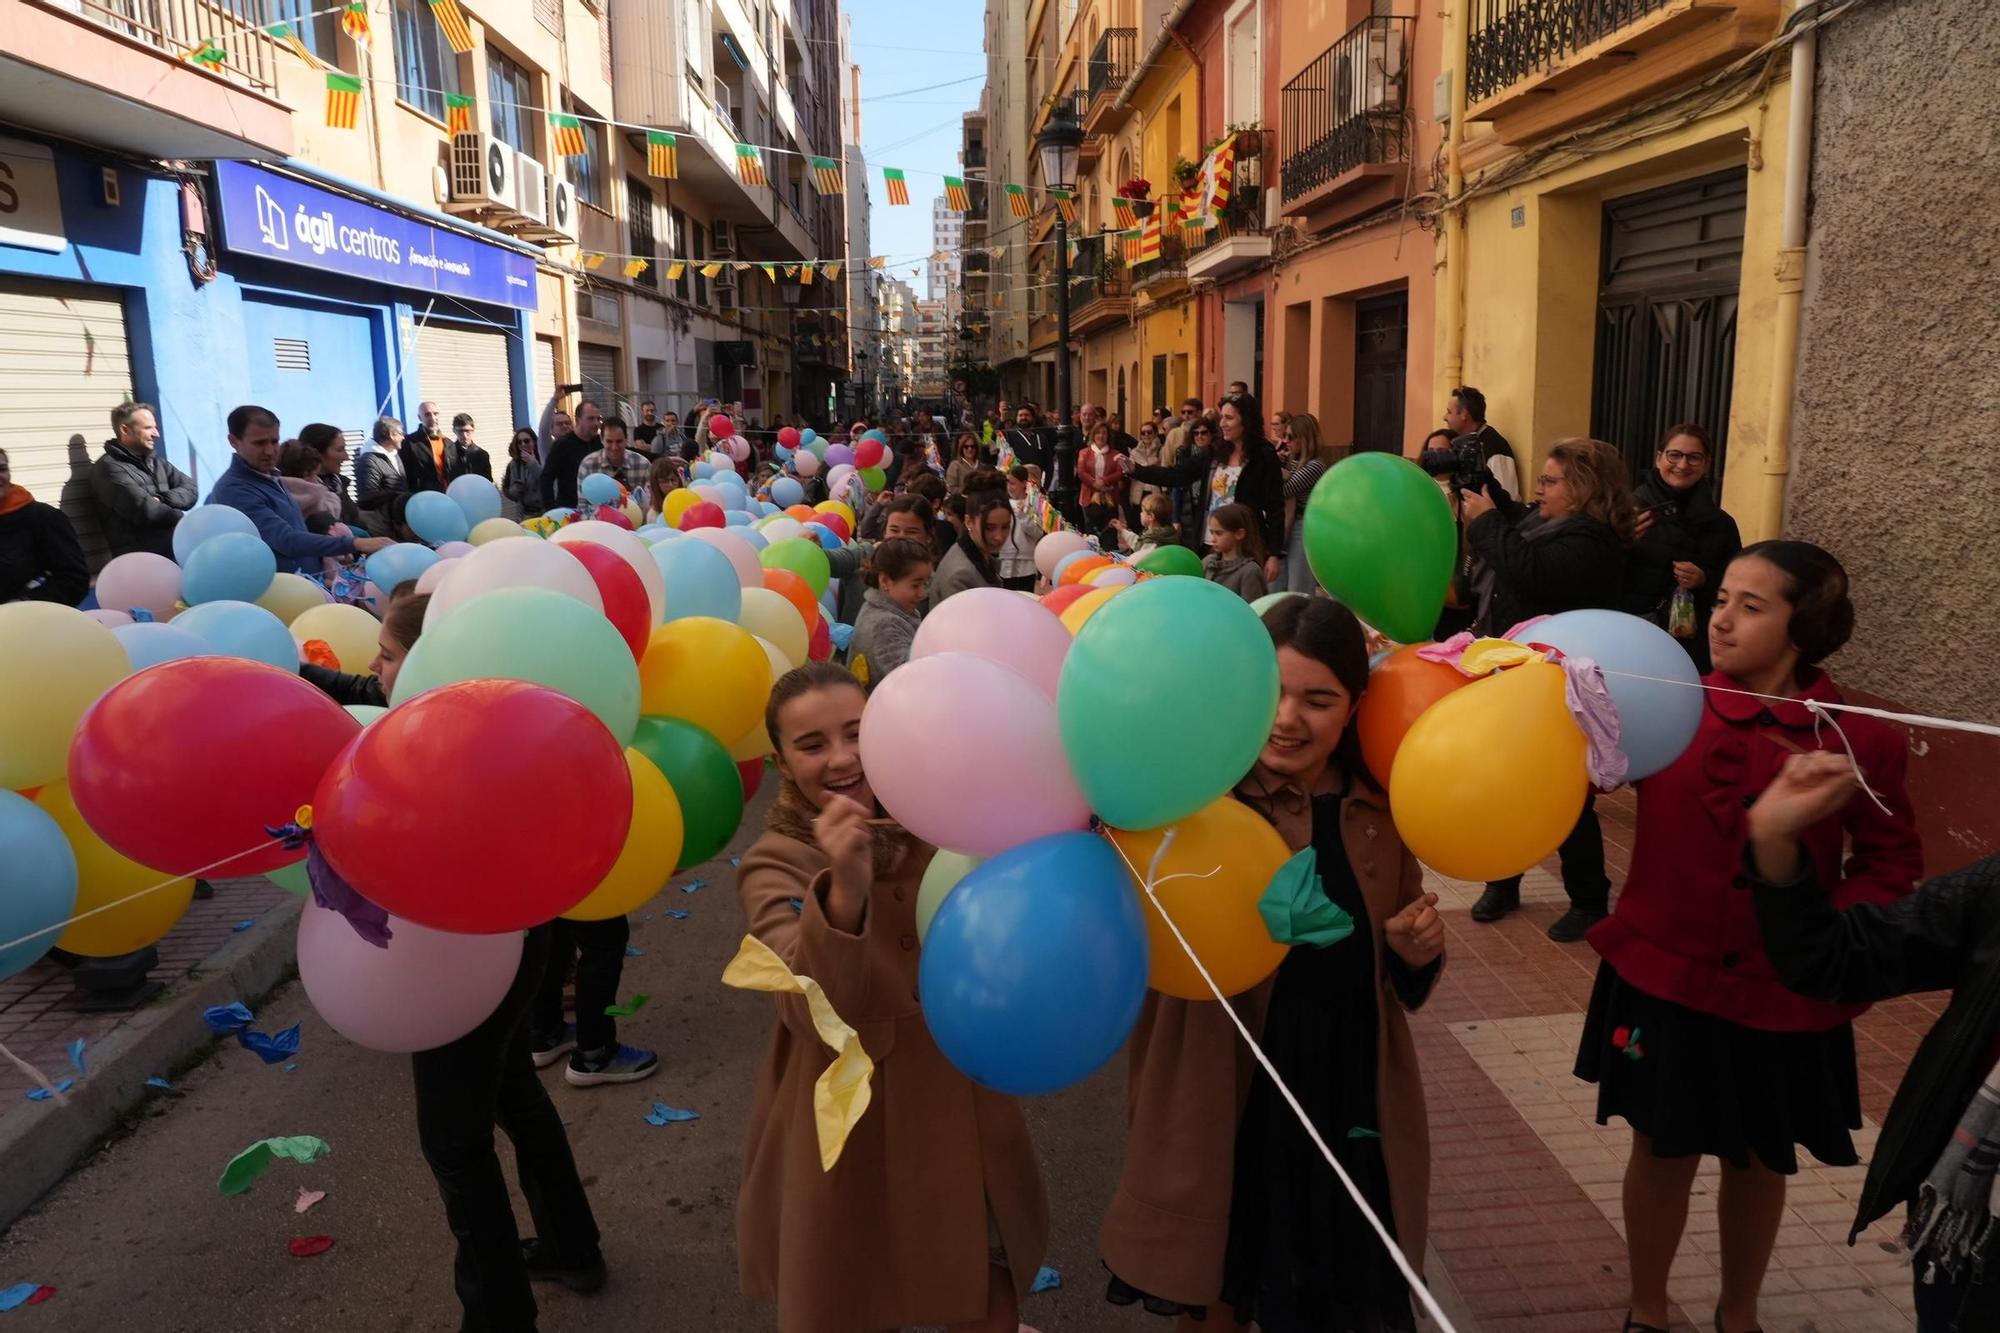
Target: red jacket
{"points": [[1685, 928]]}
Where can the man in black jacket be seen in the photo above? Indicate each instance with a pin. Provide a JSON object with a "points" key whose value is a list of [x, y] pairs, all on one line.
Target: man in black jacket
{"points": [[463, 458], [140, 495], [567, 454], [1465, 417]]}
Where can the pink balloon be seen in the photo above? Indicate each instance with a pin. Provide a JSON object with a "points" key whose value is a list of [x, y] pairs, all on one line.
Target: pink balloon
{"points": [[1002, 779], [427, 988], [454, 550], [995, 624], [720, 427], [805, 462], [1050, 550], [140, 579], [741, 553], [109, 619], [836, 477], [428, 581], [739, 448]]}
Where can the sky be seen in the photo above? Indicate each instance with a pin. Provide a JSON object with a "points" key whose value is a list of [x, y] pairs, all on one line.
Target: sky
{"points": [[905, 48]]}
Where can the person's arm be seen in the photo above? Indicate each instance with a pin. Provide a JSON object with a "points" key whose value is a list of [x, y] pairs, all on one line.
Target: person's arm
{"points": [[1304, 477], [181, 493], [344, 687], [65, 573], [1557, 569], [893, 637], [1186, 472], [1413, 939], [826, 936], [1885, 857], [120, 492], [298, 543], [545, 426]]}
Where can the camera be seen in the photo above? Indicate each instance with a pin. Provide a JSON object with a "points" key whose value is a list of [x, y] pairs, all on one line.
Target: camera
{"points": [[1462, 460], [1666, 512]]}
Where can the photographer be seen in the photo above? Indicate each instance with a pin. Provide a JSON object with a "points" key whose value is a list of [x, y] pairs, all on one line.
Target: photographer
{"points": [[1456, 470], [1685, 540]]}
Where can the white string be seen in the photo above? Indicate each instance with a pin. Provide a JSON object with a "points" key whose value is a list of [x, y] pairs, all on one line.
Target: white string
{"points": [[1409, 1273], [1853, 760], [198, 871], [1908, 719]]}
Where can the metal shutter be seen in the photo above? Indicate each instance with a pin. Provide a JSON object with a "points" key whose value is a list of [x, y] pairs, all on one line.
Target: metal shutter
{"points": [[63, 367], [545, 374], [465, 370], [597, 368]]}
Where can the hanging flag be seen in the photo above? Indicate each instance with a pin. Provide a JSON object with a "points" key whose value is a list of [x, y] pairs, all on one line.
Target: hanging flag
{"points": [[1074, 247], [1065, 205], [827, 177], [676, 270], [343, 100], [1194, 225], [999, 300], [457, 113], [770, 271], [663, 154], [635, 266], [354, 20], [956, 197], [1149, 239], [1121, 209], [750, 165], [567, 132], [739, 266], [899, 189], [805, 275], [791, 270], [452, 19], [1131, 238], [284, 35], [709, 269], [593, 262], [998, 250], [1017, 202], [209, 53], [878, 261], [832, 271], [1218, 174]]}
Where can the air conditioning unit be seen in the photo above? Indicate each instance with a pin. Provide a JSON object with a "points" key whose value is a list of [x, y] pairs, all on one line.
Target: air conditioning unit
{"points": [[725, 241], [725, 298], [725, 280], [483, 170], [533, 180], [562, 206], [1381, 58]]}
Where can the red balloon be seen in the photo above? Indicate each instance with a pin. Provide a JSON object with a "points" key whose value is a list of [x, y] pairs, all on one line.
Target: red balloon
{"points": [[703, 514], [1059, 600], [421, 813], [752, 773], [788, 436], [626, 605], [183, 766], [835, 524], [720, 427], [615, 517], [868, 453], [820, 648]]}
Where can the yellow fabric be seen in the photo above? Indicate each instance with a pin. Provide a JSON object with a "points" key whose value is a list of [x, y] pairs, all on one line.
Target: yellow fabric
{"points": [[842, 1093], [1485, 656]]}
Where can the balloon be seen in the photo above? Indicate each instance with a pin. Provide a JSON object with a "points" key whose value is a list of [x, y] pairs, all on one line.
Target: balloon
{"points": [[833, 522], [625, 604], [782, 528], [393, 566], [704, 780], [1169, 559], [709, 492], [796, 591], [242, 629], [1218, 733], [742, 555], [819, 647], [600, 488], [837, 475], [148, 643], [428, 581], [1072, 568], [500, 565], [703, 514], [808, 437], [838, 454], [110, 619], [699, 580], [457, 758], [775, 617], [535, 635], [1380, 537], [941, 876], [788, 437], [652, 532], [429, 987], [676, 503], [1656, 722], [1217, 912], [1113, 575], [629, 548], [804, 513], [994, 624], [869, 454], [352, 634], [720, 427], [184, 766], [999, 782], [197, 525], [437, 518], [702, 469], [818, 447], [802, 556], [758, 541], [1491, 778], [493, 529], [1034, 970], [292, 595], [785, 491], [739, 448], [1398, 693], [705, 671], [1078, 613], [874, 478], [1269, 600], [104, 877], [1054, 547], [805, 464], [1061, 600], [611, 518], [41, 880], [652, 847], [142, 580], [476, 497], [454, 550]]}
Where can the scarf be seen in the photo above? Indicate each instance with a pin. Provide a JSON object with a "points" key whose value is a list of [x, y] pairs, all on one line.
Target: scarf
{"points": [[15, 497], [792, 815], [980, 563], [1956, 1205]]}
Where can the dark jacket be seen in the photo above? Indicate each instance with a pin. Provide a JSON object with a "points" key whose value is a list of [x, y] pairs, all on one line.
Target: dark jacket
{"points": [[278, 519], [343, 497], [1687, 525], [1261, 486], [345, 687], [139, 499], [963, 566], [1946, 935], [466, 460], [522, 484], [1539, 567], [40, 558], [566, 455]]}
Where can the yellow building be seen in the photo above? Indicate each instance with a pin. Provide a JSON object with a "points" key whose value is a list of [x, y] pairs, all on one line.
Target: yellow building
{"points": [[1163, 93]]}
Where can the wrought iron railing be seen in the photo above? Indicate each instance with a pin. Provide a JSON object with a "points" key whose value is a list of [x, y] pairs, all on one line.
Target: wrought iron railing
{"points": [[1509, 40], [1111, 61], [1345, 109], [182, 27]]}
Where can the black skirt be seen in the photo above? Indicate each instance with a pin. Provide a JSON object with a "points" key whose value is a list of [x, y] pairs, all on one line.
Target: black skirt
{"points": [[1694, 1083]]}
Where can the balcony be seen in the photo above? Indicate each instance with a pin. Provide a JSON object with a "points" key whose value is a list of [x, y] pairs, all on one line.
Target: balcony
{"points": [[1537, 66], [1342, 118], [1160, 279], [1236, 244], [1110, 65], [112, 72], [1100, 291]]}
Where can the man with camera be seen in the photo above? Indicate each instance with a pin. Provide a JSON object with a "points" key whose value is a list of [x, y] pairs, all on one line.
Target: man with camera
{"points": [[1465, 418]]}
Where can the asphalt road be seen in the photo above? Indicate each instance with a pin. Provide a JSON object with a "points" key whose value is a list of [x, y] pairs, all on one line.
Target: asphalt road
{"points": [[137, 1239]]}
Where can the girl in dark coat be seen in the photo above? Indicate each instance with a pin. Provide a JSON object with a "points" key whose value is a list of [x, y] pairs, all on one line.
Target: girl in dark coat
{"points": [[1242, 469], [1685, 539]]}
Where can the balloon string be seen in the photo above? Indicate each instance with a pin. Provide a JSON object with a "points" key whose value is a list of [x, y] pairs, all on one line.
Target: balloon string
{"points": [[1417, 1286], [198, 871], [37, 1075], [1815, 705]]}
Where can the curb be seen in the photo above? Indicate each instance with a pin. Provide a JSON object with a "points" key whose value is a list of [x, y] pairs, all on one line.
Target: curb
{"points": [[41, 1141]]}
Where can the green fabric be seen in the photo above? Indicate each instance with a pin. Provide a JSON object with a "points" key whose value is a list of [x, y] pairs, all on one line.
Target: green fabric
{"points": [[629, 1008], [1296, 909], [253, 1161]]}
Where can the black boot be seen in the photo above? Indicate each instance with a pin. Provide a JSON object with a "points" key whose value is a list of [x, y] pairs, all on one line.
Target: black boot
{"points": [[1571, 925], [1500, 898]]}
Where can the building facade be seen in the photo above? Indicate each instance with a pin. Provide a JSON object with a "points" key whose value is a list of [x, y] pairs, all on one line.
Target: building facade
{"points": [[946, 262]]}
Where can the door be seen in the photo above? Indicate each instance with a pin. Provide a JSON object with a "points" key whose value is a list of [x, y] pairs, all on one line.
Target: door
{"points": [[463, 368], [1381, 364], [1160, 384], [309, 363]]}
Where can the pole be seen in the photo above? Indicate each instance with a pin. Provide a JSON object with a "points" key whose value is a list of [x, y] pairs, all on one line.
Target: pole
{"points": [[1063, 405]]}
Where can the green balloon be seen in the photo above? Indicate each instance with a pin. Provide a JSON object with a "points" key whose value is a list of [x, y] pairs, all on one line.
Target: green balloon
{"points": [[1210, 682], [941, 876], [291, 878], [1269, 600], [1380, 538], [704, 779], [536, 635], [874, 478], [365, 713], [1170, 559], [804, 557]]}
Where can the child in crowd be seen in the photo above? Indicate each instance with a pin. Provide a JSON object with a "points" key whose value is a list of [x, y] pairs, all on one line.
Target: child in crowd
{"points": [[1017, 557], [1235, 556], [899, 579], [667, 477], [1157, 512]]}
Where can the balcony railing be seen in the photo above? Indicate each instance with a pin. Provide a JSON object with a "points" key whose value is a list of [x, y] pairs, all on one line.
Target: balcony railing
{"points": [[975, 157], [177, 27], [1111, 62], [1345, 109], [1510, 40]]}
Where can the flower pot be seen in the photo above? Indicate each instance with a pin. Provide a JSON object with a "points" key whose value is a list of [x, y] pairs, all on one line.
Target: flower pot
{"points": [[1249, 144], [1141, 208]]}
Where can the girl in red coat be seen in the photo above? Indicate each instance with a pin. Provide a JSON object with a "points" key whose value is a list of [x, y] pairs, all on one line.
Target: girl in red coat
{"points": [[1691, 1037]]}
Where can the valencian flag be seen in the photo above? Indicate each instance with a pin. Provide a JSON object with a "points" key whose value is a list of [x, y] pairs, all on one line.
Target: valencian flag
{"points": [[791, 270], [209, 53], [1131, 238], [770, 271], [997, 250], [635, 266], [1121, 209], [805, 275], [663, 154], [1194, 224], [1017, 202], [709, 270], [956, 197], [676, 269], [354, 20], [343, 100], [832, 271], [284, 35], [878, 261], [1149, 239], [457, 113], [827, 178], [739, 266], [593, 262], [1219, 171], [568, 134], [899, 189], [750, 165], [1065, 205], [452, 19]]}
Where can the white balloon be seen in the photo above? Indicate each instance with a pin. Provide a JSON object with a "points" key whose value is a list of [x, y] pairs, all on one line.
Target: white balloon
{"points": [[427, 582], [782, 527], [628, 547], [522, 564]]}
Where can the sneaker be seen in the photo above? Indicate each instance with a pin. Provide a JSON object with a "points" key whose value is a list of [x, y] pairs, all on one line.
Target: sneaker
{"points": [[203, 889], [583, 1278], [613, 1064], [549, 1049], [1495, 903], [1571, 925]]}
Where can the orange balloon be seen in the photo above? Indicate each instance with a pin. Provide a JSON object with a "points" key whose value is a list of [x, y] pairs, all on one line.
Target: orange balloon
{"points": [[803, 513], [1398, 693], [1078, 568], [794, 590]]}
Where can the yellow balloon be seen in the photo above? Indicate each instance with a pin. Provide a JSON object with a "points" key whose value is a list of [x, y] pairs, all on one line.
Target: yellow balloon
{"points": [[756, 742], [54, 663], [705, 671], [1491, 778], [652, 847], [103, 876], [351, 632], [1217, 913], [493, 529], [291, 596], [676, 504], [771, 616], [1086, 606], [840, 507]]}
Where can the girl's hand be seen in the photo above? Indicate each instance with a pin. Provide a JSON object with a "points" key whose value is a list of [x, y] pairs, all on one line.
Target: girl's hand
{"points": [[1271, 568], [1809, 788], [1417, 932], [841, 830]]}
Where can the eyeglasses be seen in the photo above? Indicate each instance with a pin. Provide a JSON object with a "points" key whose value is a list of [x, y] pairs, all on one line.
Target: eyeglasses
{"points": [[1675, 458], [1546, 480]]}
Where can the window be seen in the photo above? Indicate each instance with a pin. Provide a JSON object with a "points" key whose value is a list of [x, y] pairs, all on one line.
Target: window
{"points": [[678, 242], [639, 224], [510, 94], [700, 257], [318, 32], [426, 66], [587, 172]]}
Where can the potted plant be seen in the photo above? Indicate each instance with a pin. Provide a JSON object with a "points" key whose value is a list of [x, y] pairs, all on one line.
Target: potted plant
{"points": [[1249, 140], [1135, 192], [1185, 171]]}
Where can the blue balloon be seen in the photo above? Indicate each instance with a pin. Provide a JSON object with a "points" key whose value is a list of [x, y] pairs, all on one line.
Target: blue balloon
{"points": [[436, 518], [808, 435], [197, 525], [560, 515], [655, 534], [41, 881], [701, 471], [876, 434], [786, 492], [228, 567], [754, 537], [239, 629], [600, 488], [784, 455], [1035, 965], [398, 564], [767, 509], [822, 534], [736, 518], [149, 643], [477, 498], [700, 581], [1055, 577], [1656, 722]]}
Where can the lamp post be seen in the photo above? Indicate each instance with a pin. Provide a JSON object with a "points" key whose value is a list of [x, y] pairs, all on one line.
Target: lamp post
{"points": [[1060, 144]]}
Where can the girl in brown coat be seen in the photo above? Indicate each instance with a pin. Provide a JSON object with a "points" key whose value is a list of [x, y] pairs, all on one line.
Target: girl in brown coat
{"points": [[1223, 1195], [934, 1213]]}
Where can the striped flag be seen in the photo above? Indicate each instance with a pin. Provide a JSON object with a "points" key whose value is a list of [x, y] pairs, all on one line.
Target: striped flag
{"points": [[1065, 205], [997, 251], [832, 271], [354, 20], [452, 19], [343, 100], [1149, 239], [1131, 237], [284, 35], [1018, 203], [878, 261], [956, 197], [567, 131], [899, 189], [663, 154], [1194, 224], [999, 300], [457, 113], [739, 266], [750, 165], [1121, 209], [770, 271], [676, 270], [1219, 172], [635, 266], [827, 177], [805, 275], [209, 53], [593, 262], [709, 269], [791, 270]]}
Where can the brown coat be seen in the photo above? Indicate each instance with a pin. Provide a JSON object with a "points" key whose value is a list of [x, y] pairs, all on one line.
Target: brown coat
{"points": [[880, 1241], [1168, 1223]]}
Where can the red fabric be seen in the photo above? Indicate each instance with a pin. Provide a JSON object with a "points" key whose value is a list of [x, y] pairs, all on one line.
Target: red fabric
{"points": [[1101, 477], [305, 1247], [1685, 929], [14, 497]]}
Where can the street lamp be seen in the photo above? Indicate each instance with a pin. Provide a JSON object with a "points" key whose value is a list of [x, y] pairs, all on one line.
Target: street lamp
{"points": [[1060, 144]]}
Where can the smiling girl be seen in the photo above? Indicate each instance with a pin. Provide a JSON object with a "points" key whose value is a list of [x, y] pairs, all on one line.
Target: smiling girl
{"points": [[899, 578]]}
